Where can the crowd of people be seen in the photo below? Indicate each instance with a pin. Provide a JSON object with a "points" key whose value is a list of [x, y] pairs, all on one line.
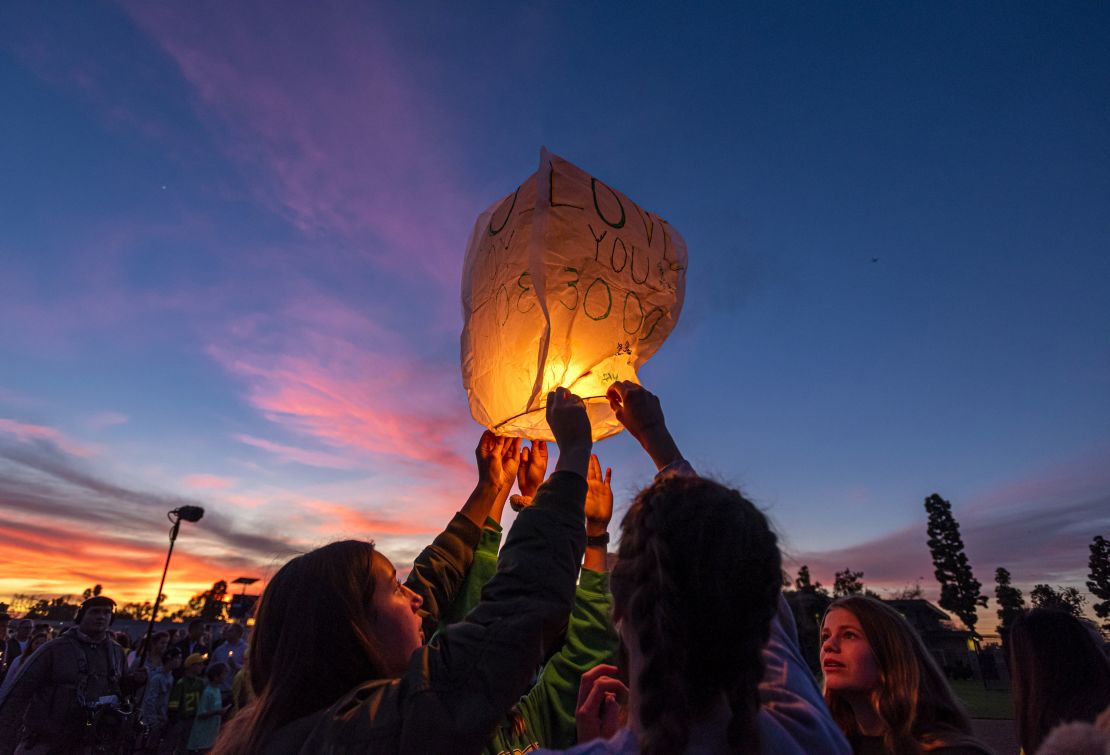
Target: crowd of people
{"points": [[92, 689], [686, 646]]}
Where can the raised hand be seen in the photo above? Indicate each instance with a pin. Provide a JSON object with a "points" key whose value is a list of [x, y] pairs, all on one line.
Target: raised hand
{"points": [[638, 409], [599, 498], [510, 462], [601, 700], [533, 468], [497, 465], [489, 455], [566, 415]]}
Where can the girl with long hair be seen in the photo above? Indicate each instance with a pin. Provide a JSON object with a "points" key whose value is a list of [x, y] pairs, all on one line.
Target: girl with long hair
{"points": [[1059, 674], [884, 689], [711, 650], [337, 657]]}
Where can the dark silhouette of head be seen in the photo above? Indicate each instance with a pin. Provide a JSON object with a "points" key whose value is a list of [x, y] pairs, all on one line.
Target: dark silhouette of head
{"points": [[1059, 674], [695, 588]]}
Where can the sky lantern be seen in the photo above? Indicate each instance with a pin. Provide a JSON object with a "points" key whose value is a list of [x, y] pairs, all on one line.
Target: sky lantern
{"points": [[566, 282]]}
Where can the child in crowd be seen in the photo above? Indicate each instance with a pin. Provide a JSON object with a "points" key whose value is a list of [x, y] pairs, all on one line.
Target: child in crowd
{"points": [[712, 652], [156, 699], [884, 688], [182, 707], [210, 711]]}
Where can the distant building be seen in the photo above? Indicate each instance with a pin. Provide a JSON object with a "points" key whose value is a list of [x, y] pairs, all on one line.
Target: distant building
{"points": [[954, 648]]}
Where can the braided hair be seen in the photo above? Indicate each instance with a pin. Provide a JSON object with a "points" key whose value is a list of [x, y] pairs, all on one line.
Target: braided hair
{"points": [[697, 581]]}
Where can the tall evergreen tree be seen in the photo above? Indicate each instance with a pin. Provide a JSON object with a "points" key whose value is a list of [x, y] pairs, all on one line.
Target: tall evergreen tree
{"points": [[1099, 577], [847, 582], [959, 590], [1009, 599]]}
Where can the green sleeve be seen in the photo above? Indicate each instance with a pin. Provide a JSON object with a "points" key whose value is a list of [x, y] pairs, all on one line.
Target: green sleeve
{"points": [[548, 709], [481, 571], [439, 570]]}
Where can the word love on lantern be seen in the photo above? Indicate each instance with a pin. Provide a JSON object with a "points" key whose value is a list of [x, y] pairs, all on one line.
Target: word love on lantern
{"points": [[566, 282]]}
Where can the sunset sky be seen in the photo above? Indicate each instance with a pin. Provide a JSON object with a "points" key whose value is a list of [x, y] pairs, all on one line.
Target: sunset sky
{"points": [[231, 239]]}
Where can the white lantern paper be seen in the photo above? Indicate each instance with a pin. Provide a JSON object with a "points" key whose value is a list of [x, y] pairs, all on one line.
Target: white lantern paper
{"points": [[566, 282]]}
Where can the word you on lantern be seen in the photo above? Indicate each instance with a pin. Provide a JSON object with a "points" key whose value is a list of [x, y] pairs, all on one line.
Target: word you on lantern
{"points": [[566, 282]]}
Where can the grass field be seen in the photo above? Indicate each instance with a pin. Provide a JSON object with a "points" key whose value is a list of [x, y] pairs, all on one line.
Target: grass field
{"points": [[984, 703]]}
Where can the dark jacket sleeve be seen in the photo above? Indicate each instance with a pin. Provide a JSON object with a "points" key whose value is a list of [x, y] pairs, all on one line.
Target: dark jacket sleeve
{"points": [[439, 570], [457, 688]]}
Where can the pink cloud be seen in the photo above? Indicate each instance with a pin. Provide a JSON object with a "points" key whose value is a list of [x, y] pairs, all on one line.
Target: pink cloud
{"points": [[208, 482], [346, 140], [339, 520], [328, 371], [26, 433], [298, 455]]}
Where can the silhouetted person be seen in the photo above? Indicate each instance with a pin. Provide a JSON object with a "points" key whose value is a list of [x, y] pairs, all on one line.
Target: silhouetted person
{"points": [[1059, 674], [68, 694]]}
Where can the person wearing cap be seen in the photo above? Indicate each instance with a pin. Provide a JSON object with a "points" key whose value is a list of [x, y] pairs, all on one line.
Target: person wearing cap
{"points": [[183, 702], [65, 689]]}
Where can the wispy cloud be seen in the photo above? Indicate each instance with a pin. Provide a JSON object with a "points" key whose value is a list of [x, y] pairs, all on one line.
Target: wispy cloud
{"points": [[107, 419], [297, 455], [18, 399], [50, 502], [343, 138], [325, 370], [26, 433], [208, 482], [336, 517]]}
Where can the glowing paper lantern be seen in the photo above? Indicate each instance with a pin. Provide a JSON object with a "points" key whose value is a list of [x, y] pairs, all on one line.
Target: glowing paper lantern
{"points": [[566, 282]]}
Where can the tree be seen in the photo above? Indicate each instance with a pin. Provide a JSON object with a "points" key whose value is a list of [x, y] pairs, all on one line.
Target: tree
{"points": [[22, 602], [1009, 599], [1067, 599], [959, 590], [914, 592], [1099, 577], [803, 583], [847, 582], [136, 611], [58, 609], [91, 592], [214, 605]]}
